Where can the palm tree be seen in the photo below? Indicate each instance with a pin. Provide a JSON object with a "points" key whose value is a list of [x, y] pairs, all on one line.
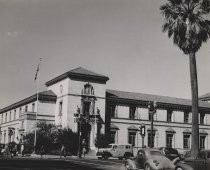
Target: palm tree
{"points": [[186, 22]]}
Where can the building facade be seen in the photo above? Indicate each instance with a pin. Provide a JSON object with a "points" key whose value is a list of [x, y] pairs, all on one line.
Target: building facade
{"points": [[118, 114]]}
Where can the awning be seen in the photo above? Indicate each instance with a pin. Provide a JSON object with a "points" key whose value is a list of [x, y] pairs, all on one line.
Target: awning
{"points": [[114, 127], [187, 131], [170, 130], [149, 129], [203, 132], [132, 127]]}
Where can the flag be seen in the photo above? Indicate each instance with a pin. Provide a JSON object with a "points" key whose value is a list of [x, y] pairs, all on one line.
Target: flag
{"points": [[37, 70]]}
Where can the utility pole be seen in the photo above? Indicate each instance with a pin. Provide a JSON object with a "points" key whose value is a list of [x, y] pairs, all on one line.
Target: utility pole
{"points": [[152, 109]]}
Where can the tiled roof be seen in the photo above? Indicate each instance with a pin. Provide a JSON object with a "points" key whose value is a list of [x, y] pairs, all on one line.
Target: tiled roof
{"points": [[80, 73], [150, 97], [43, 96], [84, 71]]}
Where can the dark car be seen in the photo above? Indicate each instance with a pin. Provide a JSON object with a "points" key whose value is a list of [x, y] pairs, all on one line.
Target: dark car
{"points": [[201, 162], [170, 153], [149, 159]]}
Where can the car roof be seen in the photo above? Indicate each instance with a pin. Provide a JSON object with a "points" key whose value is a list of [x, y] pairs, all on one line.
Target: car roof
{"points": [[119, 144], [206, 150], [150, 149]]}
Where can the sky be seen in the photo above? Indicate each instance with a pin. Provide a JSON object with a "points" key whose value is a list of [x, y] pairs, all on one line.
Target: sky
{"points": [[121, 39]]}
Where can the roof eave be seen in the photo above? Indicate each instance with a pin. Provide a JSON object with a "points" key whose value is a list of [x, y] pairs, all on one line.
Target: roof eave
{"points": [[33, 98], [78, 76]]}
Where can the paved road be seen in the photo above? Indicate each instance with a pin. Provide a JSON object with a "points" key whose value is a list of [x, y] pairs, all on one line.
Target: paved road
{"points": [[59, 164]]}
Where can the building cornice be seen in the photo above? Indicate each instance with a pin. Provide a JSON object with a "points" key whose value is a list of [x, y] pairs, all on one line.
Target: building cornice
{"points": [[42, 96], [112, 100]]}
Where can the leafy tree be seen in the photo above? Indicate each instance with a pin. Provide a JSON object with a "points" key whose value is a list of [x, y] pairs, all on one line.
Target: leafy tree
{"points": [[52, 138], [69, 139], [46, 135], [101, 141], [186, 22]]}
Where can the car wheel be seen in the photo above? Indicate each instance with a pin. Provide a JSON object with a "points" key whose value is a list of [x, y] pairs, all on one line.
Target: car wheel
{"points": [[179, 168], [127, 155], [147, 167], [105, 156], [127, 167]]}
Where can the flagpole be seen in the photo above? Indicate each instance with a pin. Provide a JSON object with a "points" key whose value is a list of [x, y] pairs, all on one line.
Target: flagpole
{"points": [[37, 100]]}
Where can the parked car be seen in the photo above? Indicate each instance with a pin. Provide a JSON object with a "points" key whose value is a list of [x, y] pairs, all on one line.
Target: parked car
{"points": [[116, 151], [170, 153], [149, 159], [201, 162]]}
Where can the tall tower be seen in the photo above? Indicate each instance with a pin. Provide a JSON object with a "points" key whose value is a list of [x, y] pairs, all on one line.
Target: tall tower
{"points": [[83, 89]]}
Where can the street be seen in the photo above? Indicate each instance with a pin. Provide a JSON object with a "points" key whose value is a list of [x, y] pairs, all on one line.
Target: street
{"points": [[59, 164]]}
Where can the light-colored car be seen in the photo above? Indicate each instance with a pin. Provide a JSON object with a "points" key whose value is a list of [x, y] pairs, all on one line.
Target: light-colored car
{"points": [[116, 151], [149, 159], [201, 162]]}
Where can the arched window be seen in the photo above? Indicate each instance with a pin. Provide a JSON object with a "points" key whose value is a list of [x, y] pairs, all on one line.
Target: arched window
{"points": [[88, 89]]}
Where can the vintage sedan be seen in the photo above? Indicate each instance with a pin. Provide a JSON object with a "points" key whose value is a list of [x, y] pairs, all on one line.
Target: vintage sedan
{"points": [[170, 153], [201, 162], [149, 159]]}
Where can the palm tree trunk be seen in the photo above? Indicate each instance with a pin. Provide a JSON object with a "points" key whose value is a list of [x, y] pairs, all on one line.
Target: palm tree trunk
{"points": [[194, 91]]}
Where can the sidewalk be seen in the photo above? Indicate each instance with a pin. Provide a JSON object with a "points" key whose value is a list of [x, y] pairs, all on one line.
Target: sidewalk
{"points": [[35, 156]]}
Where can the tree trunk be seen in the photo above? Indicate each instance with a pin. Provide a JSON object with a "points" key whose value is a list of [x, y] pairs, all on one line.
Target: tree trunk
{"points": [[194, 91]]}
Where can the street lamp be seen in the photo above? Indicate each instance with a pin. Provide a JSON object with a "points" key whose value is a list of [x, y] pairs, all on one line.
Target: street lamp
{"points": [[152, 109], [79, 120]]}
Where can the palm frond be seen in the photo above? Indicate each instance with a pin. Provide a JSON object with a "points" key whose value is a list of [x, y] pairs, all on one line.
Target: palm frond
{"points": [[185, 23]]}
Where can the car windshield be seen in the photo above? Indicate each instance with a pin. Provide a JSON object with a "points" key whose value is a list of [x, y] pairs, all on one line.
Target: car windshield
{"points": [[109, 146], [155, 153], [172, 151]]}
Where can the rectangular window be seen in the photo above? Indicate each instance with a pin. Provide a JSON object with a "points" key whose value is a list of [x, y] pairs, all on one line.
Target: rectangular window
{"points": [[86, 108], [202, 142], [112, 111], [169, 140], [112, 136], [150, 116], [132, 138], [10, 116], [5, 117], [60, 108], [202, 116], [15, 114], [169, 115], [186, 141], [20, 110], [132, 111], [26, 108], [22, 125], [186, 117], [33, 107]]}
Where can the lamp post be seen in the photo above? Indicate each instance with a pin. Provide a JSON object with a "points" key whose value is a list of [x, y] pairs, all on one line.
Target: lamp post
{"points": [[79, 120], [152, 109]]}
